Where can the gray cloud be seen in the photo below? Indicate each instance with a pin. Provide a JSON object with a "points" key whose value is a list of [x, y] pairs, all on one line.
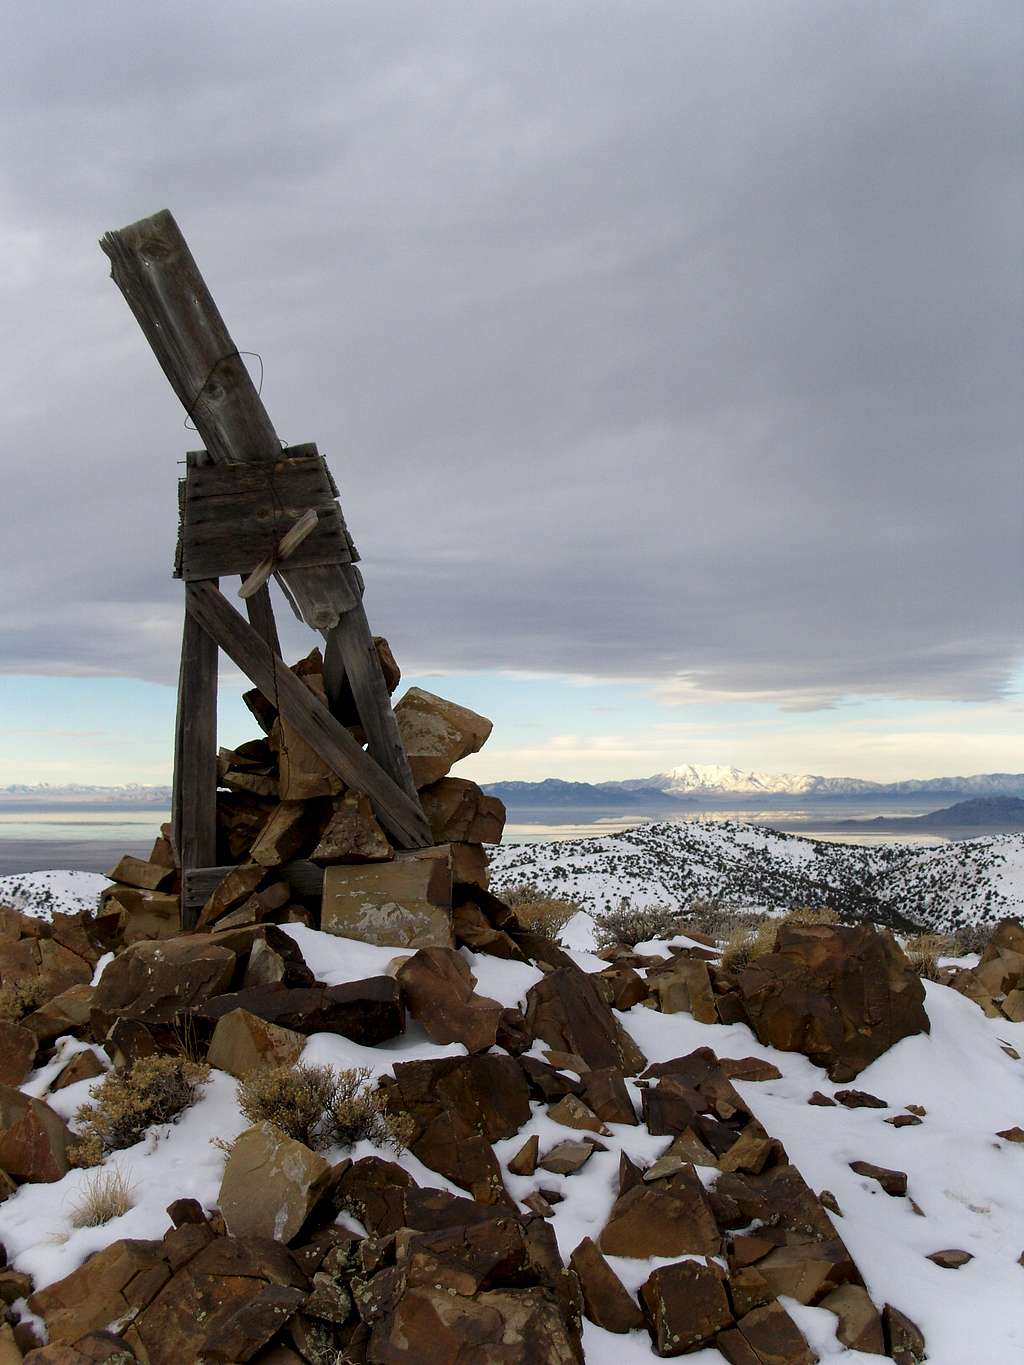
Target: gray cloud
{"points": [[643, 341]]}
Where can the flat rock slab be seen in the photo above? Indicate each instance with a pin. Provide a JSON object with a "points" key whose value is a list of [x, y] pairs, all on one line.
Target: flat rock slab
{"points": [[270, 1184], [569, 1012], [33, 1138], [368, 1012], [669, 1217], [685, 1307], [406, 903]]}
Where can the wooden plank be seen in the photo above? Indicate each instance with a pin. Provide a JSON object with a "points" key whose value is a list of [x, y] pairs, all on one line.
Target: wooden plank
{"points": [[401, 815], [155, 271], [305, 878], [353, 656], [194, 794]]}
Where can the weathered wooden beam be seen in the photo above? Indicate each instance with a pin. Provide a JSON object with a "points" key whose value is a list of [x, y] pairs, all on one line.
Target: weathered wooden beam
{"points": [[260, 611], [394, 808], [194, 794], [353, 655], [158, 276]]}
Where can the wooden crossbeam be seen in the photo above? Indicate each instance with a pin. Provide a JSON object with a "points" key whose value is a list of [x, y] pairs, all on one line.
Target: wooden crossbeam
{"points": [[397, 812]]}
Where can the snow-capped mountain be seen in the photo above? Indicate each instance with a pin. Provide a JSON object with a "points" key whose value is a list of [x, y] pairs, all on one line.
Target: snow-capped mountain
{"points": [[714, 779], [43, 793]]}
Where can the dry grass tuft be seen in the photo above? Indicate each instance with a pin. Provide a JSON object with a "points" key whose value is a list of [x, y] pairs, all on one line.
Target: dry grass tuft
{"points": [[131, 1099], [810, 914], [323, 1106], [924, 951], [106, 1195], [747, 942]]}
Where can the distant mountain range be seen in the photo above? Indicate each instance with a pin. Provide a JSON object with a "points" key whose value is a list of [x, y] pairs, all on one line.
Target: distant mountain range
{"points": [[695, 781], [992, 814], [75, 793]]}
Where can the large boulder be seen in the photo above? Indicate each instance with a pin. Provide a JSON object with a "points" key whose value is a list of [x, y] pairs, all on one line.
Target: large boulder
{"points": [[270, 1184], [685, 1306], [33, 1139], [243, 1042], [17, 1052], [437, 733], [154, 981], [437, 987], [570, 1013], [667, 1217], [406, 903], [459, 1107], [842, 996]]}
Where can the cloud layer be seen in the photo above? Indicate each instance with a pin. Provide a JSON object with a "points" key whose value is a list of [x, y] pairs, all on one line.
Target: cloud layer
{"points": [[668, 342]]}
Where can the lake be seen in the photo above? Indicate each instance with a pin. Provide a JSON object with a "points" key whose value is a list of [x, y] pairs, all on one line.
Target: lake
{"points": [[91, 838]]}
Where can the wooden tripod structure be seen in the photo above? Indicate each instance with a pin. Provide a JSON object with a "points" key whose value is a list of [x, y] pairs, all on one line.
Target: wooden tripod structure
{"points": [[242, 503]]}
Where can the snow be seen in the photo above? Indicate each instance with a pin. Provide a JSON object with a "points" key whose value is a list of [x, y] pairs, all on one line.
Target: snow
{"points": [[968, 1183], [42, 893], [675, 863]]}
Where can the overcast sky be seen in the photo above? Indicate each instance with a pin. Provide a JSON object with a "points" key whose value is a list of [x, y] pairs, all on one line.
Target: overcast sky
{"points": [[670, 347]]}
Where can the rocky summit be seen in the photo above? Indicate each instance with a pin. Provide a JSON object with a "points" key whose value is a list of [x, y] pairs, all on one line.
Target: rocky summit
{"points": [[368, 1111]]}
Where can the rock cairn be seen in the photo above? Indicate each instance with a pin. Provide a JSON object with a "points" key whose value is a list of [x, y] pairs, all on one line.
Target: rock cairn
{"points": [[270, 1274]]}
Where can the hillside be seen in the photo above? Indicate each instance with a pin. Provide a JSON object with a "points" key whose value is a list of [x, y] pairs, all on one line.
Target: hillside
{"points": [[552, 793], [982, 814], [976, 881]]}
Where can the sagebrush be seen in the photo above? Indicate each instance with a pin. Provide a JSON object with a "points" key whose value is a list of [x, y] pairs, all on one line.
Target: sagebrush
{"points": [[546, 917], [924, 951], [129, 1100], [323, 1106], [17, 1001], [632, 925]]}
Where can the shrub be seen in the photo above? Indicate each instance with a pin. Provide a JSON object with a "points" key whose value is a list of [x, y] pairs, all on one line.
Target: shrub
{"points": [[323, 1107], [971, 938], [717, 920], [105, 1195], [131, 1099], [810, 914], [546, 917], [631, 926], [748, 942], [17, 1001]]}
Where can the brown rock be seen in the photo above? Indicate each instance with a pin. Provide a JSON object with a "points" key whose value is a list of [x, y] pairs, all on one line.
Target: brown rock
{"points": [[17, 1052], [42, 966], [840, 995], [147, 914], [685, 987], [686, 1150], [567, 1011], [904, 1340], [68, 1012], [437, 987], [774, 1337], [604, 1089], [670, 1217], [458, 811], [571, 1112], [624, 987], [469, 865], [437, 733], [807, 1269], [33, 1139], [1011, 1134], [228, 894], [401, 904], [606, 1301], [820, 1099], [369, 1012], [84, 1066], [860, 1326], [893, 1182], [460, 1105], [242, 1043], [239, 821], [751, 1153], [224, 1304], [904, 1121], [292, 831], [352, 835], [778, 1197], [109, 1287], [146, 876], [950, 1259], [859, 1099], [153, 981], [525, 1160], [749, 1069], [685, 1306], [289, 1179], [566, 1158]]}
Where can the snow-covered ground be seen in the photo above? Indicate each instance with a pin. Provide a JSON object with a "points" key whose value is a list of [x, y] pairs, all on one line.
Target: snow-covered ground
{"points": [[974, 881], [968, 1183], [44, 893]]}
